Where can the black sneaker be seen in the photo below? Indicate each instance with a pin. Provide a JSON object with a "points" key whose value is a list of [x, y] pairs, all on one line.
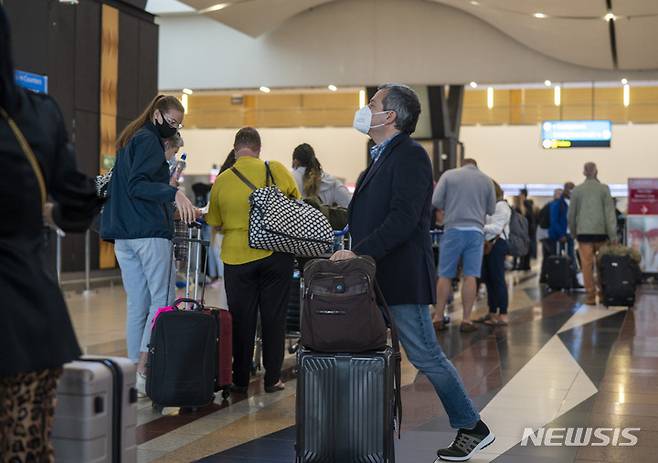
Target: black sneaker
{"points": [[467, 443]]}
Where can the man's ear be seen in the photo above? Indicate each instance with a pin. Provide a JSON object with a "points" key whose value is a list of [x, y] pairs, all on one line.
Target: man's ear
{"points": [[392, 117]]}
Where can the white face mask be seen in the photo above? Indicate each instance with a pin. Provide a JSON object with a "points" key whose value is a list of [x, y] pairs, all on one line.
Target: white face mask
{"points": [[363, 119]]}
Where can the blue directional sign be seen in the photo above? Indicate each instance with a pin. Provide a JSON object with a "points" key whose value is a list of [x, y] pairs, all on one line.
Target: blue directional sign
{"points": [[576, 134], [35, 82]]}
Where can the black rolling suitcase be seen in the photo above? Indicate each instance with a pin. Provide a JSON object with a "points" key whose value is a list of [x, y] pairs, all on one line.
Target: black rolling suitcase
{"points": [[182, 363], [345, 407], [558, 271], [619, 276], [182, 357]]}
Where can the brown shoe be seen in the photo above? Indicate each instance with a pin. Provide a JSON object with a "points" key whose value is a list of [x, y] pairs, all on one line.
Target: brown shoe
{"points": [[467, 327]]}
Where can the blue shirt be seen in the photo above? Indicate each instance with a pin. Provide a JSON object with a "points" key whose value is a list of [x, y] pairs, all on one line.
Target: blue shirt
{"points": [[377, 150]]}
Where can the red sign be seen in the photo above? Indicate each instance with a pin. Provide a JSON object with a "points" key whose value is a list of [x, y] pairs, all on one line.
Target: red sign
{"points": [[643, 196]]}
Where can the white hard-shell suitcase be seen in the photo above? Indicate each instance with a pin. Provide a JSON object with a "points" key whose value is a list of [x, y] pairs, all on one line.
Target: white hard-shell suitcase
{"points": [[96, 412]]}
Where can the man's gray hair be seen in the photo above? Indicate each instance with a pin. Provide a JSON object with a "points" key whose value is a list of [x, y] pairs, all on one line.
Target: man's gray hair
{"points": [[405, 103], [590, 170]]}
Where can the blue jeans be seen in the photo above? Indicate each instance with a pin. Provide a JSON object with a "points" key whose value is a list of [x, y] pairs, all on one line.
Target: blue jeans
{"points": [[148, 278], [418, 338], [465, 244]]}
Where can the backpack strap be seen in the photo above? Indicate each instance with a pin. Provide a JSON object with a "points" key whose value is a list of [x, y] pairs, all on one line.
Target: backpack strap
{"points": [[243, 178], [397, 363]]}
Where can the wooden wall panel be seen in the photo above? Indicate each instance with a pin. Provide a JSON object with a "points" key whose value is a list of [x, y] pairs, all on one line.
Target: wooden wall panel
{"points": [[128, 100], [331, 100], [644, 95], [108, 106], [577, 96]]}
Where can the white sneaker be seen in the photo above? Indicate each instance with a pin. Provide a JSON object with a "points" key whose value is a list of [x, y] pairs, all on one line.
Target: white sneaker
{"points": [[141, 385]]}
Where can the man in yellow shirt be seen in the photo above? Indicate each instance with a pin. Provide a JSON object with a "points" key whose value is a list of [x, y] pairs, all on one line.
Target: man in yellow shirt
{"points": [[256, 280]]}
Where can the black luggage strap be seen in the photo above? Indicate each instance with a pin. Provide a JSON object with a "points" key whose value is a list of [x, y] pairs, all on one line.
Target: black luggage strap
{"points": [[395, 341], [243, 178], [269, 178]]}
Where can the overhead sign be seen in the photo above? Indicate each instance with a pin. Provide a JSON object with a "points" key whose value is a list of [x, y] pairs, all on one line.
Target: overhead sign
{"points": [[576, 134], [35, 82]]}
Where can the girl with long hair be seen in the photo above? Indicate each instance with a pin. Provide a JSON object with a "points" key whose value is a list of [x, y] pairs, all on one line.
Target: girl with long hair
{"points": [[313, 182], [139, 218]]}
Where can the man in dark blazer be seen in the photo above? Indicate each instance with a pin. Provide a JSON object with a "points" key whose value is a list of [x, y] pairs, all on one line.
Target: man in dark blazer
{"points": [[389, 220]]}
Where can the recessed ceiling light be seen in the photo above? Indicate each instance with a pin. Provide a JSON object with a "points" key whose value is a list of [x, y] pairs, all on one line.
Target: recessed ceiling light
{"points": [[332, 87], [540, 15], [217, 7], [265, 89], [474, 85], [474, 3], [187, 91], [610, 17], [547, 83], [624, 81]]}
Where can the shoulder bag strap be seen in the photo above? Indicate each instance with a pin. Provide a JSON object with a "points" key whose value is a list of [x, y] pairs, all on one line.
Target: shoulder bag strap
{"points": [[268, 175], [243, 178], [397, 365], [29, 154]]}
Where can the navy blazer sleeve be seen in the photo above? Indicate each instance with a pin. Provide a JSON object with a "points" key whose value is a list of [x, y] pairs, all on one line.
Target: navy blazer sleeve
{"points": [[412, 179]]}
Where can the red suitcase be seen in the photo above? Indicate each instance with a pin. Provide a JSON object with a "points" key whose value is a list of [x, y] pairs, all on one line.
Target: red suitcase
{"points": [[224, 350]]}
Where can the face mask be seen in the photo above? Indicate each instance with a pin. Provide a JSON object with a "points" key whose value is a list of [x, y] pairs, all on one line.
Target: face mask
{"points": [[164, 129], [363, 119]]}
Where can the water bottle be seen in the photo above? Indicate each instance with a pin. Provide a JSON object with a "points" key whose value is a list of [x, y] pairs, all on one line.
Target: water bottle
{"points": [[178, 168]]}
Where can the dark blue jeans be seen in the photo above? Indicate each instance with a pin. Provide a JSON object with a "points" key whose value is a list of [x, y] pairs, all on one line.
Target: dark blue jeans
{"points": [[493, 275]]}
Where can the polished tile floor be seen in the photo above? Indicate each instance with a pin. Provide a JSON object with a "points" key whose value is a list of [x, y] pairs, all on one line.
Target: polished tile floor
{"points": [[558, 364]]}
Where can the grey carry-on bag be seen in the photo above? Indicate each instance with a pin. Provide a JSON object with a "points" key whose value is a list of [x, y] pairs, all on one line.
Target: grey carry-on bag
{"points": [[96, 413], [346, 407]]}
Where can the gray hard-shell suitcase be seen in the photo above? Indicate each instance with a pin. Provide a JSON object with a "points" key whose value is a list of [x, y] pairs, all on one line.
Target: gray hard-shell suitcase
{"points": [[96, 412], [345, 407]]}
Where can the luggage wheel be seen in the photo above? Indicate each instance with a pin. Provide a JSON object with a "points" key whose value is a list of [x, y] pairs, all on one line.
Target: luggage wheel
{"points": [[293, 348], [226, 393]]}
